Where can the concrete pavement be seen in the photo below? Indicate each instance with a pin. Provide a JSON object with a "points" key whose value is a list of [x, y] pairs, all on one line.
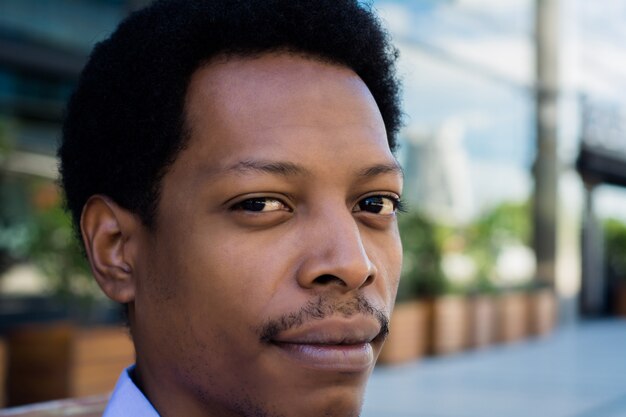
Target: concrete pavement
{"points": [[579, 371]]}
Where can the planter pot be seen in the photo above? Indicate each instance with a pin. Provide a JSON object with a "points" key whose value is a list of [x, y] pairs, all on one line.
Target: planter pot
{"points": [[99, 356], [542, 311], [408, 333], [620, 299], [482, 327], [60, 361], [21, 311], [38, 364], [512, 323], [450, 325]]}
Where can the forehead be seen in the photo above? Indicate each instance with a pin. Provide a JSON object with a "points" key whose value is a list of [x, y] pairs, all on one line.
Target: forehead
{"points": [[284, 105], [260, 91], [271, 79]]}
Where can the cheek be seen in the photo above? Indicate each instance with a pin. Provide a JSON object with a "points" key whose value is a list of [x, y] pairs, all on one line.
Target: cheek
{"points": [[231, 275], [389, 265], [212, 294]]}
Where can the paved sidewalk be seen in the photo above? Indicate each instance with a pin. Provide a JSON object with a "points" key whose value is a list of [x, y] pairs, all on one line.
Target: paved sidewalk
{"points": [[580, 371]]}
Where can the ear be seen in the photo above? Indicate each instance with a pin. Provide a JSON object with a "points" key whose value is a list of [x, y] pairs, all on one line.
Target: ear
{"points": [[111, 235]]}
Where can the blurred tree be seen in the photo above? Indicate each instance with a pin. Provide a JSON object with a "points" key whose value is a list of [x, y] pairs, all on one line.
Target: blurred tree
{"points": [[35, 229], [481, 242], [506, 224]]}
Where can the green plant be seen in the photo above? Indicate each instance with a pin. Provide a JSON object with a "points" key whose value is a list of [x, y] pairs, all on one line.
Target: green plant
{"points": [[11, 237], [615, 247], [508, 223], [53, 248], [421, 274], [35, 229]]}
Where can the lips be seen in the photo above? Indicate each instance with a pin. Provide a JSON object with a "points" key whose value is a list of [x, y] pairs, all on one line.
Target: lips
{"points": [[332, 344]]}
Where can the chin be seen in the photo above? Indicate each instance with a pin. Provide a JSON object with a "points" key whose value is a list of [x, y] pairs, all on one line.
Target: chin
{"points": [[338, 401], [343, 409]]}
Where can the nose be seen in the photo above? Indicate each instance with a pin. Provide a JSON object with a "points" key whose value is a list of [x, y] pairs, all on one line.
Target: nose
{"points": [[334, 255]]}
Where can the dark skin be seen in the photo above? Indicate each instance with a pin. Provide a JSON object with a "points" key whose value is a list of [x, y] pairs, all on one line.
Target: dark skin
{"points": [[264, 286]]}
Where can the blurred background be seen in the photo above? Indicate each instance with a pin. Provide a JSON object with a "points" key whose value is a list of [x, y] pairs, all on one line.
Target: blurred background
{"points": [[515, 158]]}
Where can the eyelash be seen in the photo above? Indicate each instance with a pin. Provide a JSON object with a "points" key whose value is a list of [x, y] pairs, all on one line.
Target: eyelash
{"points": [[398, 204], [255, 200], [401, 206]]}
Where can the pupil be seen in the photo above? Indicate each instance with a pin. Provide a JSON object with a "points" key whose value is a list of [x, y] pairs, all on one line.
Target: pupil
{"points": [[373, 204], [253, 205]]}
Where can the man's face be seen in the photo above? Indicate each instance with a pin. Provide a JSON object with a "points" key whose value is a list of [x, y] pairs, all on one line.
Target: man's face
{"points": [[264, 288]]}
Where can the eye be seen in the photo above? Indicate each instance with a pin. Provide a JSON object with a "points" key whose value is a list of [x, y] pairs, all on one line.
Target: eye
{"points": [[261, 205], [378, 204]]}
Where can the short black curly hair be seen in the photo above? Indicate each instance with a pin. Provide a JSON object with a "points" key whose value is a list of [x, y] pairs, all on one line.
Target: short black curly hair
{"points": [[125, 123]]}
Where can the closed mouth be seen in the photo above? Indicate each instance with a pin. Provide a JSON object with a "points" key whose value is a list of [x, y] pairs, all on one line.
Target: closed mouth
{"points": [[334, 344]]}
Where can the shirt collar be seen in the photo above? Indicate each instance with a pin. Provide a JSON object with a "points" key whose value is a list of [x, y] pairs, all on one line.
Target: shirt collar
{"points": [[128, 400]]}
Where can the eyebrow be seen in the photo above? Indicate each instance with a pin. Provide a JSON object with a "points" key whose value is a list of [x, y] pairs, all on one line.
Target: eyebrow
{"points": [[285, 169], [378, 169], [289, 169]]}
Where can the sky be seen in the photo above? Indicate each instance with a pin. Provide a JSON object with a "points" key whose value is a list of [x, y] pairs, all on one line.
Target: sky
{"points": [[471, 62]]}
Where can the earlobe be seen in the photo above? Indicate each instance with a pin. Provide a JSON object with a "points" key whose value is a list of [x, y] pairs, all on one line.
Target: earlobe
{"points": [[109, 233]]}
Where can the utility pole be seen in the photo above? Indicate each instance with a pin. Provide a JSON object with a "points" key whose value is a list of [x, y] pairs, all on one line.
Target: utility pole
{"points": [[592, 296], [545, 169]]}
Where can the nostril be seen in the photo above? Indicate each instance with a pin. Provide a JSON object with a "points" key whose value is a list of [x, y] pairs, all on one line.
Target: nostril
{"points": [[328, 279], [369, 280]]}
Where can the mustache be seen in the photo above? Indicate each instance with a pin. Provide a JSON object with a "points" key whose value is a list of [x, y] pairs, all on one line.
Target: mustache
{"points": [[321, 307]]}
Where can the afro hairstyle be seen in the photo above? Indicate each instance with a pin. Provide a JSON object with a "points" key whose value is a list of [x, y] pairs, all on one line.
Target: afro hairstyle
{"points": [[125, 122]]}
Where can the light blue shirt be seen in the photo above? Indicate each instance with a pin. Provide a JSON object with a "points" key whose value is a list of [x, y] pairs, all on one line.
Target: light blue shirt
{"points": [[127, 400]]}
